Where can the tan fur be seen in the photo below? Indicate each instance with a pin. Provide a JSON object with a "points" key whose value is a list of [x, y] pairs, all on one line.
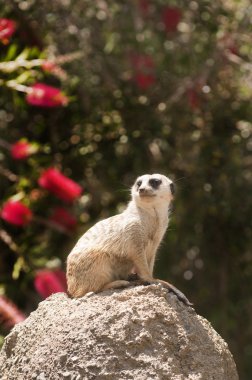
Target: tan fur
{"points": [[107, 253]]}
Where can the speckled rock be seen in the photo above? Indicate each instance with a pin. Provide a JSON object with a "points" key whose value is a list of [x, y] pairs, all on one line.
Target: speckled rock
{"points": [[136, 333]]}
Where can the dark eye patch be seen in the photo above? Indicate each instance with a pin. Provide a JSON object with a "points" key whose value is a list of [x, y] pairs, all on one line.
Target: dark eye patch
{"points": [[155, 183], [139, 183]]}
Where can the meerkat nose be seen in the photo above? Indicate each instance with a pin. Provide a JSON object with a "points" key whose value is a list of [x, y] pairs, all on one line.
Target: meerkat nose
{"points": [[172, 187], [142, 190]]}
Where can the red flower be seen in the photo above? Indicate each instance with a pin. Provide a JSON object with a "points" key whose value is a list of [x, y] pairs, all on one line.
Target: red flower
{"points": [[47, 282], [16, 213], [42, 95], [144, 81], [144, 6], [143, 66], [62, 217], [227, 43], [7, 28], [142, 61], [22, 149], [193, 98], [58, 184], [171, 17]]}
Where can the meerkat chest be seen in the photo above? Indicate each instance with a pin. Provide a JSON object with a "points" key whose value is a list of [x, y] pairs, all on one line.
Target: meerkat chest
{"points": [[154, 239]]}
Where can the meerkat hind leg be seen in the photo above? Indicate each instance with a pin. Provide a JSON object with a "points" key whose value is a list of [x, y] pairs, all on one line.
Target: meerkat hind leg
{"points": [[136, 280], [116, 285], [175, 291]]}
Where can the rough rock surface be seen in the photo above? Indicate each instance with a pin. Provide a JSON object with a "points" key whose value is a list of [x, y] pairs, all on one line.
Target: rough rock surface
{"points": [[135, 333]]}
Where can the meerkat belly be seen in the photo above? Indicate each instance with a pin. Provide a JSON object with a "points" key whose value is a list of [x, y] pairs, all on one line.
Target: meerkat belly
{"points": [[110, 240]]}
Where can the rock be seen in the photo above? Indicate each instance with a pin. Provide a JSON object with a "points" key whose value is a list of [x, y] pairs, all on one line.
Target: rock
{"points": [[138, 333]]}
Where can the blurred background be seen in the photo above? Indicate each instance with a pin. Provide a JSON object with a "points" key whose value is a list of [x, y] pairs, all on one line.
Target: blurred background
{"points": [[95, 93]]}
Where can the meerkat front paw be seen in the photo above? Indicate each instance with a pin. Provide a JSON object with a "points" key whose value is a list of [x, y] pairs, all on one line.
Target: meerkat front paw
{"points": [[135, 280], [133, 277]]}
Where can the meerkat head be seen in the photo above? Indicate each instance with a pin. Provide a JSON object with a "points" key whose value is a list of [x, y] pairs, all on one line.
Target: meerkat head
{"points": [[152, 189]]}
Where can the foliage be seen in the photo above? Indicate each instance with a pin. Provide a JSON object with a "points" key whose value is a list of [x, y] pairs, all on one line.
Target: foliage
{"points": [[162, 87]]}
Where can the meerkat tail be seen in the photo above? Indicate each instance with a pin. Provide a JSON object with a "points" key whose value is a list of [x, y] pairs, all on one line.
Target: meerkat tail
{"points": [[175, 291]]}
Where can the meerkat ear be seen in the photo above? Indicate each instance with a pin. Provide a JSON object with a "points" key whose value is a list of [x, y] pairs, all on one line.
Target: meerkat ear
{"points": [[171, 207], [172, 188]]}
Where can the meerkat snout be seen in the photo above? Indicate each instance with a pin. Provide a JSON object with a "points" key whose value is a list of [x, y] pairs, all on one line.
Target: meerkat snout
{"points": [[143, 190]]}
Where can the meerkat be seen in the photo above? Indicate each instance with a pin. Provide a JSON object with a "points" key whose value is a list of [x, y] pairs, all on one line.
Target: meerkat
{"points": [[109, 252]]}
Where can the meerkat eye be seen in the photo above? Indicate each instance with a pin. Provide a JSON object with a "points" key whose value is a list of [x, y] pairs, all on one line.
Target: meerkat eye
{"points": [[139, 183], [155, 183]]}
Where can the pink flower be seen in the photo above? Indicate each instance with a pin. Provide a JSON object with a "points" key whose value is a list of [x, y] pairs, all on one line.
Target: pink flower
{"points": [[49, 66], [144, 70], [52, 68], [42, 95], [171, 17], [16, 213], [7, 28], [58, 184], [22, 149], [9, 313], [62, 217], [47, 282]]}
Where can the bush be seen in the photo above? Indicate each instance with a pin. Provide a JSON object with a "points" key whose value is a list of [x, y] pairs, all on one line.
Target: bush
{"points": [[148, 88]]}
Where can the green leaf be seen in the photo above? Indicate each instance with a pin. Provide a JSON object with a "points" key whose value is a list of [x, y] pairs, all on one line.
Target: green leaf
{"points": [[19, 264], [111, 43], [24, 54], [24, 77], [35, 53], [11, 53]]}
